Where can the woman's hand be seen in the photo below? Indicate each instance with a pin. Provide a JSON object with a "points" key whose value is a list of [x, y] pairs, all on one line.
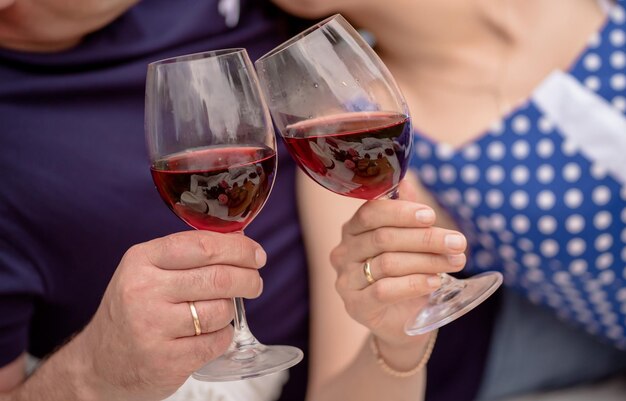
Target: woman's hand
{"points": [[405, 252], [141, 343]]}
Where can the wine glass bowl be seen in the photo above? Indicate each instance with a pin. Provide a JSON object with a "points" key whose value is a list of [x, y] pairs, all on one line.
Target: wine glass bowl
{"points": [[359, 154], [212, 151], [338, 109], [216, 188], [345, 122]]}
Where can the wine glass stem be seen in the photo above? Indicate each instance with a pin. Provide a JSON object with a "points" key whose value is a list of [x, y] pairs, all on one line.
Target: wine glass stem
{"points": [[450, 288], [242, 337], [244, 343]]}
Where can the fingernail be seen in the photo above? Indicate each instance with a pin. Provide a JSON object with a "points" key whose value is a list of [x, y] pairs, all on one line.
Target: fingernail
{"points": [[454, 241], [261, 257], [425, 216], [434, 281], [457, 260]]}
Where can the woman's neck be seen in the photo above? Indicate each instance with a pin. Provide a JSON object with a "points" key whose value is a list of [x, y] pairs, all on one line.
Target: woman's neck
{"points": [[464, 63], [446, 37], [442, 37]]}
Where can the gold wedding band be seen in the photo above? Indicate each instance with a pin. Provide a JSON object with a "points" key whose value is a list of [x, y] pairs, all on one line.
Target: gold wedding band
{"points": [[196, 320], [367, 270]]}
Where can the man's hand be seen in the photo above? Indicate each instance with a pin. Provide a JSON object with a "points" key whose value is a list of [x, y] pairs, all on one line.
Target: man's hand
{"points": [[141, 343]]}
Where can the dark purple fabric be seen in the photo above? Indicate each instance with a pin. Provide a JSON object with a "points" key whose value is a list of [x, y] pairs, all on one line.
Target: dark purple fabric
{"points": [[76, 187], [457, 364]]}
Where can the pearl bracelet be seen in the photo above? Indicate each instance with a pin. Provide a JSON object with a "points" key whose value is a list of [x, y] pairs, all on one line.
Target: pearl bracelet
{"points": [[407, 373]]}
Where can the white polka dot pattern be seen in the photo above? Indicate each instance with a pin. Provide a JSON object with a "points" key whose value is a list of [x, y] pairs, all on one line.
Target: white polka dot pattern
{"points": [[520, 149], [618, 60], [520, 175], [619, 102], [536, 209], [592, 82], [592, 62], [545, 173]]}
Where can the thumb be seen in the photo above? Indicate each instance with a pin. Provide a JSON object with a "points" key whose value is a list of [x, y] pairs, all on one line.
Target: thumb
{"points": [[408, 188]]}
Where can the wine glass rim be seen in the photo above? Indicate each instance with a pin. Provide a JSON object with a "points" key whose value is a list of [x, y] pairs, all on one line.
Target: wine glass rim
{"points": [[198, 56], [289, 42]]}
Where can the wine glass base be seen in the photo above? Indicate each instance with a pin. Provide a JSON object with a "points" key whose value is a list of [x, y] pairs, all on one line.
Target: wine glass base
{"points": [[434, 315], [240, 364]]}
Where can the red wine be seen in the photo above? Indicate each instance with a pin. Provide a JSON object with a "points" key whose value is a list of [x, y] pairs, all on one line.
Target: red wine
{"points": [[362, 154], [216, 188]]}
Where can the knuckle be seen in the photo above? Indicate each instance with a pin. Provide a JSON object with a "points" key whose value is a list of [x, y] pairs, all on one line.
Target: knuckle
{"points": [[386, 263], [382, 237], [132, 290], [226, 308], [416, 284], [216, 346], [341, 283], [241, 246], [168, 247], [193, 279], [427, 237], [219, 314], [171, 243], [137, 256], [224, 338], [379, 291], [434, 261], [207, 245], [337, 255], [363, 217], [221, 279], [401, 212], [133, 252]]}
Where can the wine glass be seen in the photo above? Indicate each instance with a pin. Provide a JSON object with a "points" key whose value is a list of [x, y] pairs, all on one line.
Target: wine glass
{"points": [[347, 125], [213, 160]]}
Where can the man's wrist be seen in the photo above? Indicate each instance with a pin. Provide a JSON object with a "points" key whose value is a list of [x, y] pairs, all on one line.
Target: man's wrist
{"points": [[67, 375], [80, 370]]}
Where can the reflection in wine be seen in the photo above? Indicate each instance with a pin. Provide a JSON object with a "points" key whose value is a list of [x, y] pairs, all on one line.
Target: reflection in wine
{"points": [[360, 154], [216, 188]]}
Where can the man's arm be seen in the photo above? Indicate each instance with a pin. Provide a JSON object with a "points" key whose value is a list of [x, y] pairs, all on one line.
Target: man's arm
{"points": [[12, 374], [63, 377], [141, 343]]}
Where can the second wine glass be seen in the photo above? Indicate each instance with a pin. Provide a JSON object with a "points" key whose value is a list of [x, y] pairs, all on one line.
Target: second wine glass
{"points": [[213, 160], [347, 125]]}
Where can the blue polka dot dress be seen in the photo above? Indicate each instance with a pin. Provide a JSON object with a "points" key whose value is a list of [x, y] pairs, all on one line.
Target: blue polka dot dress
{"points": [[542, 195]]}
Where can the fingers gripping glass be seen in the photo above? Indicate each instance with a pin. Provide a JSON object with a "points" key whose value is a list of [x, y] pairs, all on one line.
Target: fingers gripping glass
{"points": [[347, 125], [213, 160]]}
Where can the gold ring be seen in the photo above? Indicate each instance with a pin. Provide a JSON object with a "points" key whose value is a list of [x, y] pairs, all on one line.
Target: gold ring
{"points": [[194, 315], [367, 270]]}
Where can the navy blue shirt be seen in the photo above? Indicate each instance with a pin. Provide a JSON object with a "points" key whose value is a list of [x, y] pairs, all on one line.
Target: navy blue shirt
{"points": [[76, 190]]}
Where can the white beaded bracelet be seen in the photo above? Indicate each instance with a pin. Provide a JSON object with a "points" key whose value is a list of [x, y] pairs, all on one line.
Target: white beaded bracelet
{"points": [[407, 373]]}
